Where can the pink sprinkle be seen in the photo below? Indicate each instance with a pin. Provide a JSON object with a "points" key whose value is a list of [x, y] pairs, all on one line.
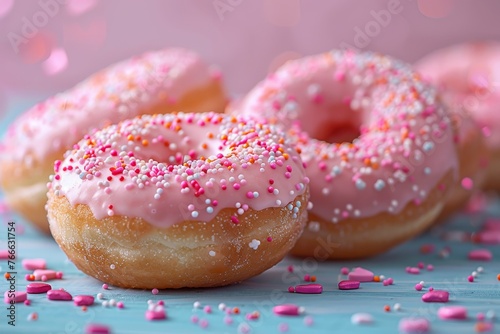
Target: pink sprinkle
{"points": [[228, 320], [361, 318], [105, 286], [492, 224], [59, 275], [467, 183], [436, 296], [290, 269], [120, 305], [156, 314], [488, 237], [269, 239], [291, 289], [235, 220], [452, 312], [48, 274], [287, 309], [32, 264], [17, 297], [59, 295], [4, 254], [97, 329], [470, 278], [36, 288], [361, 275], [307, 277], [414, 325], [27, 302], [309, 288], [203, 323], [154, 291], [207, 309], [418, 287], [348, 285], [480, 255], [283, 327], [83, 300], [194, 319], [412, 270], [430, 267], [160, 302], [344, 271], [421, 265], [480, 316], [308, 320]]}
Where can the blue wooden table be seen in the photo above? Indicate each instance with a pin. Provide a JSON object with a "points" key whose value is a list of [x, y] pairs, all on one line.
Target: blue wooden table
{"points": [[329, 312]]}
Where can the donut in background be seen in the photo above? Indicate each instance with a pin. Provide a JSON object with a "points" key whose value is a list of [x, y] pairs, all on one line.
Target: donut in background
{"points": [[469, 78], [168, 80], [378, 145]]}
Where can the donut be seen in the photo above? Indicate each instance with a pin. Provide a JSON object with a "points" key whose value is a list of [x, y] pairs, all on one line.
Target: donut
{"points": [[179, 200], [168, 80], [377, 142], [469, 76]]}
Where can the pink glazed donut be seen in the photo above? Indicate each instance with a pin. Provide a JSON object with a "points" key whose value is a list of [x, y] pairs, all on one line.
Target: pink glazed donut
{"points": [[469, 76], [164, 81], [179, 200], [378, 146]]}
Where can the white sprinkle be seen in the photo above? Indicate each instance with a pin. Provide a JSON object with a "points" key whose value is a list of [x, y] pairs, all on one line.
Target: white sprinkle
{"points": [[197, 304], [360, 184], [379, 185], [254, 244], [211, 253]]}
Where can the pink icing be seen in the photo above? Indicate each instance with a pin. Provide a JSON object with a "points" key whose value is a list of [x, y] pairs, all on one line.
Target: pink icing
{"points": [[114, 94], [405, 145], [170, 168], [469, 75]]}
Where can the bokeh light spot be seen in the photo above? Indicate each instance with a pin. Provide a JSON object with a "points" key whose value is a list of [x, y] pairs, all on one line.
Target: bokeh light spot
{"points": [[79, 7], [435, 8], [5, 7], [37, 48], [56, 63], [282, 13]]}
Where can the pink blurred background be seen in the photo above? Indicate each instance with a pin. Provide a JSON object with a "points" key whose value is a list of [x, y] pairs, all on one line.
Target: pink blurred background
{"points": [[50, 45]]}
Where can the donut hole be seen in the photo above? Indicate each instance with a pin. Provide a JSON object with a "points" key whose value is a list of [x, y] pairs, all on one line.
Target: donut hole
{"points": [[335, 124]]}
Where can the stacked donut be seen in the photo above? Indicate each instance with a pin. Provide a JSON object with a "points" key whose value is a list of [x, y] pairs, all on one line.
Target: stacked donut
{"points": [[208, 199]]}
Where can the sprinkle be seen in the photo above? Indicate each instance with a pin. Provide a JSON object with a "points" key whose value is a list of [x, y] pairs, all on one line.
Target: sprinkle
{"points": [[309, 288], [470, 278], [207, 309], [105, 286], [480, 255], [361, 275], [33, 264], [348, 285], [83, 300], [19, 297], [308, 320], [387, 308], [418, 287], [36, 288], [397, 307], [197, 304], [288, 309], [59, 295], [436, 296], [452, 312], [97, 329], [361, 318], [155, 291], [254, 244], [414, 325]]}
